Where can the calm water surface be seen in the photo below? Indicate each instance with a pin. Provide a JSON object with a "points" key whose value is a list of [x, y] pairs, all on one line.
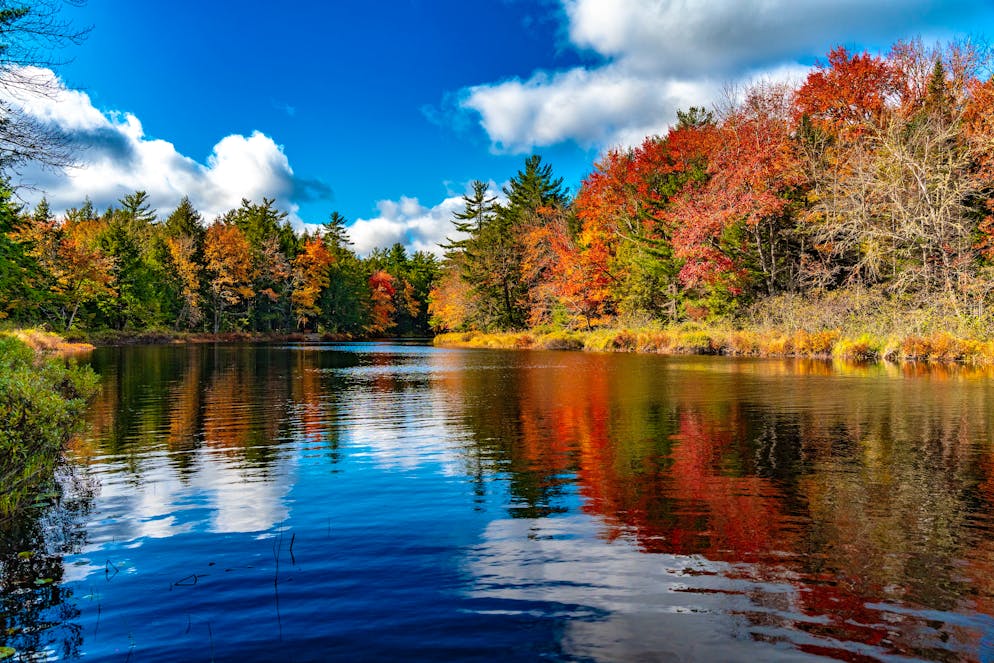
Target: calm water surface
{"points": [[399, 502]]}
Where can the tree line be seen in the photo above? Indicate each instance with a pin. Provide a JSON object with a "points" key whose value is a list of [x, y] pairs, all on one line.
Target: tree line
{"points": [[873, 174], [248, 270]]}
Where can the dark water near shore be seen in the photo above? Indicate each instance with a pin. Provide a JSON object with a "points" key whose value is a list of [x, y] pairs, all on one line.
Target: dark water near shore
{"points": [[403, 502]]}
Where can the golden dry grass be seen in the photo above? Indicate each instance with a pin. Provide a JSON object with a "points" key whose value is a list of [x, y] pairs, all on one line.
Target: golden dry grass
{"points": [[701, 339]]}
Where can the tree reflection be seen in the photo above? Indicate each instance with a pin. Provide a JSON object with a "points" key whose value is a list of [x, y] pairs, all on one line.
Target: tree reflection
{"points": [[858, 487], [240, 402], [866, 490], [37, 613]]}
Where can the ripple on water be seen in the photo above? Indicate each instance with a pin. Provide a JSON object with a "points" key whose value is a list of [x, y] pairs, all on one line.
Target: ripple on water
{"points": [[389, 501]]}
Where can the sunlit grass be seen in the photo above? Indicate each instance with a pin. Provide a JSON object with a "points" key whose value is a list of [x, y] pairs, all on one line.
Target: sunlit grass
{"points": [[695, 338]]}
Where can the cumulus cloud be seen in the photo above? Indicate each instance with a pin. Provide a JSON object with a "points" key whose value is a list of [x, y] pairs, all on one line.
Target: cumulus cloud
{"points": [[115, 158], [410, 223], [657, 56], [407, 221]]}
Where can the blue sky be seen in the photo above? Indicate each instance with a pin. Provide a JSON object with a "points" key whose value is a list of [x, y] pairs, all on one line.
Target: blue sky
{"points": [[385, 111]]}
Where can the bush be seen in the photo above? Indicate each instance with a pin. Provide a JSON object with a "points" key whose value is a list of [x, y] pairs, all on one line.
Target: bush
{"points": [[561, 340], [42, 401], [863, 348]]}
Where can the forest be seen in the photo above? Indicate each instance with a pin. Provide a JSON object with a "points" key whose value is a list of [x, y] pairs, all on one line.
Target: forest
{"points": [[862, 195], [126, 269]]}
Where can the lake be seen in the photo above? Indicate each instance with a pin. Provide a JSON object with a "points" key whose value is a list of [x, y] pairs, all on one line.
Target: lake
{"points": [[376, 501]]}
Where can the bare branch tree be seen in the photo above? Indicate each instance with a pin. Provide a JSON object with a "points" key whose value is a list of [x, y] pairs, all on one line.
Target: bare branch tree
{"points": [[896, 205], [32, 32]]}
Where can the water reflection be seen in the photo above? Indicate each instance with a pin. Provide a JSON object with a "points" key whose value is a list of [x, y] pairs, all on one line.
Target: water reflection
{"points": [[565, 505], [869, 496], [38, 614]]}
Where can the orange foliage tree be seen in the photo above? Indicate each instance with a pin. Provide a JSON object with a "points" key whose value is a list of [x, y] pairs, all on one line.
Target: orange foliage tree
{"points": [[311, 276], [75, 270], [228, 261]]}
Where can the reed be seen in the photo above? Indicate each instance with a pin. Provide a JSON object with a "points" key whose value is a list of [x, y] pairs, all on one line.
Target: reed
{"points": [[697, 338]]}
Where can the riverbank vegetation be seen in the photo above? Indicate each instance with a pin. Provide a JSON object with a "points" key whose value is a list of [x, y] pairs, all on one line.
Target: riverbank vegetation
{"points": [[42, 399], [854, 208], [856, 204], [693, 338]]}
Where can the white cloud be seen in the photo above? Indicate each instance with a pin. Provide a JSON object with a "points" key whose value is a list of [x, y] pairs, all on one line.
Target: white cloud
{"points": [[407, 221], [662, 55], [594, 108], [116, 158]]}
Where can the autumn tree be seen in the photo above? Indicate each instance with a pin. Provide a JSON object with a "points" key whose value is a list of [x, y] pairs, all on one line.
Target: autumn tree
{"points": [[228, 263], [311, 276], [450, 303], [183, 252], [734, 229], [627, 221], [382, 291], [894, 168], [182, 233], [74, 271], [273, 245], [414, 276]]}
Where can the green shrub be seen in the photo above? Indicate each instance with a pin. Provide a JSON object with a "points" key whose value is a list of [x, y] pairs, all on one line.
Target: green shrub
{"points": [[42, 401]]}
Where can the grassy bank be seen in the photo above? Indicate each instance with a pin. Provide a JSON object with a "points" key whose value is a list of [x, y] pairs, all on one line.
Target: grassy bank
{"points": [[43, 396], [703, 339], [47, 343]]}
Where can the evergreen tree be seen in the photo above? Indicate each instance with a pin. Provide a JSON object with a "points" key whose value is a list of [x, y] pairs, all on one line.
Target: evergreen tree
{"points": [[136, 209], [42, 213], [533, 188], [334, 232], [273, 247], [185, 220], [345, 302], [18, 271], [478, 210], [84, 212]]}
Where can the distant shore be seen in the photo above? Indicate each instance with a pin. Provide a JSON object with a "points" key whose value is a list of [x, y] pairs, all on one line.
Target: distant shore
{"points": [[691, 339], [160, 337], [102, 338]]}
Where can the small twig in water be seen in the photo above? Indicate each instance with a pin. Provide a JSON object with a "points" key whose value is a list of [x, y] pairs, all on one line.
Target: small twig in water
{"points": [[131, 649], [184, 582]]}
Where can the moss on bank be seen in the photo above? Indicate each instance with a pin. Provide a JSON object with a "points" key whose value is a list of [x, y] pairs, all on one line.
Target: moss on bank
{"points": [[43, 396], [702, 339]]}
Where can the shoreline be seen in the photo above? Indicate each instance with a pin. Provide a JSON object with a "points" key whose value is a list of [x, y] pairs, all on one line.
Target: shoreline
{"points": [[685, 339], [159, 337], [938, 348]]}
